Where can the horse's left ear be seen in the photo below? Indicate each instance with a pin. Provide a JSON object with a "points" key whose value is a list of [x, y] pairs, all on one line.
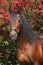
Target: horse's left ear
{"points": [[11, 11]]}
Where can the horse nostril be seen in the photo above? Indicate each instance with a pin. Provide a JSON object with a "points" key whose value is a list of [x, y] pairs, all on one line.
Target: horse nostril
{"points": [[13, 35]]}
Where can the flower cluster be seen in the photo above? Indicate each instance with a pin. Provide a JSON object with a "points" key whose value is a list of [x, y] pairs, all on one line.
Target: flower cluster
{"points": [[19, 5], [40, 4], [33, 8]]}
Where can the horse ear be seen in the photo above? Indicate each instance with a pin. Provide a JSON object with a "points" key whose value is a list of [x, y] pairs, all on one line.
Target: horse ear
{"points": [[10, 11]]}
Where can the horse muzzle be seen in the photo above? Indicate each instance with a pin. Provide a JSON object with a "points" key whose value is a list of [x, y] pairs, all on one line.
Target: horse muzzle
{"points": [[13, 35]]}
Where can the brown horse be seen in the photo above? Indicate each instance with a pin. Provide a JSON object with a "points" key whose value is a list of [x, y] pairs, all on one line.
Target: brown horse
{"points": [[29, 45]]}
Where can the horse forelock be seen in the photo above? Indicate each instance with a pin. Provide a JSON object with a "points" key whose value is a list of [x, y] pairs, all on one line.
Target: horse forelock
{"points": [[13, 16]]}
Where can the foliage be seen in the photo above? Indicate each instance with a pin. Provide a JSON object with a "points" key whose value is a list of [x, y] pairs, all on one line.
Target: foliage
{"points": [[32, 9]]}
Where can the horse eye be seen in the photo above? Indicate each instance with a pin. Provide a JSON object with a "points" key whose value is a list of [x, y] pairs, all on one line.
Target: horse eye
{"points": [[19, 20]]}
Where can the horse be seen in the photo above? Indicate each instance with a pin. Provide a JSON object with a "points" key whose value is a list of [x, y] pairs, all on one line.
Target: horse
{"points": [[29, 44]]}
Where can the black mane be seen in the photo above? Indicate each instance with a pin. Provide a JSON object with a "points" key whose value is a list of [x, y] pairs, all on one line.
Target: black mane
{"points": [[26, 29]]}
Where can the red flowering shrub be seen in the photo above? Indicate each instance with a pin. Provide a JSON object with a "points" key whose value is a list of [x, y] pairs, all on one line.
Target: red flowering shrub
{"points": [[19, 5]]}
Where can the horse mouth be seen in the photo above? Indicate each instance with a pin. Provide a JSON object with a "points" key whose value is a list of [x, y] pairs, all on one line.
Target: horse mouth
{"points": [[13, 37]]}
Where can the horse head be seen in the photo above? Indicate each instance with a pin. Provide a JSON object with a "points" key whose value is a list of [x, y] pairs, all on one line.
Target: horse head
{"points": [[14, 25]]}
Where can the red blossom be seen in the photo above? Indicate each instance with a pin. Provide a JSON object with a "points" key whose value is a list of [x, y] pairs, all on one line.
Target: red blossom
{"points": [[41, 14], [7, 15], [2, 11], [4, 16], [3, 1], [40, 4]]}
